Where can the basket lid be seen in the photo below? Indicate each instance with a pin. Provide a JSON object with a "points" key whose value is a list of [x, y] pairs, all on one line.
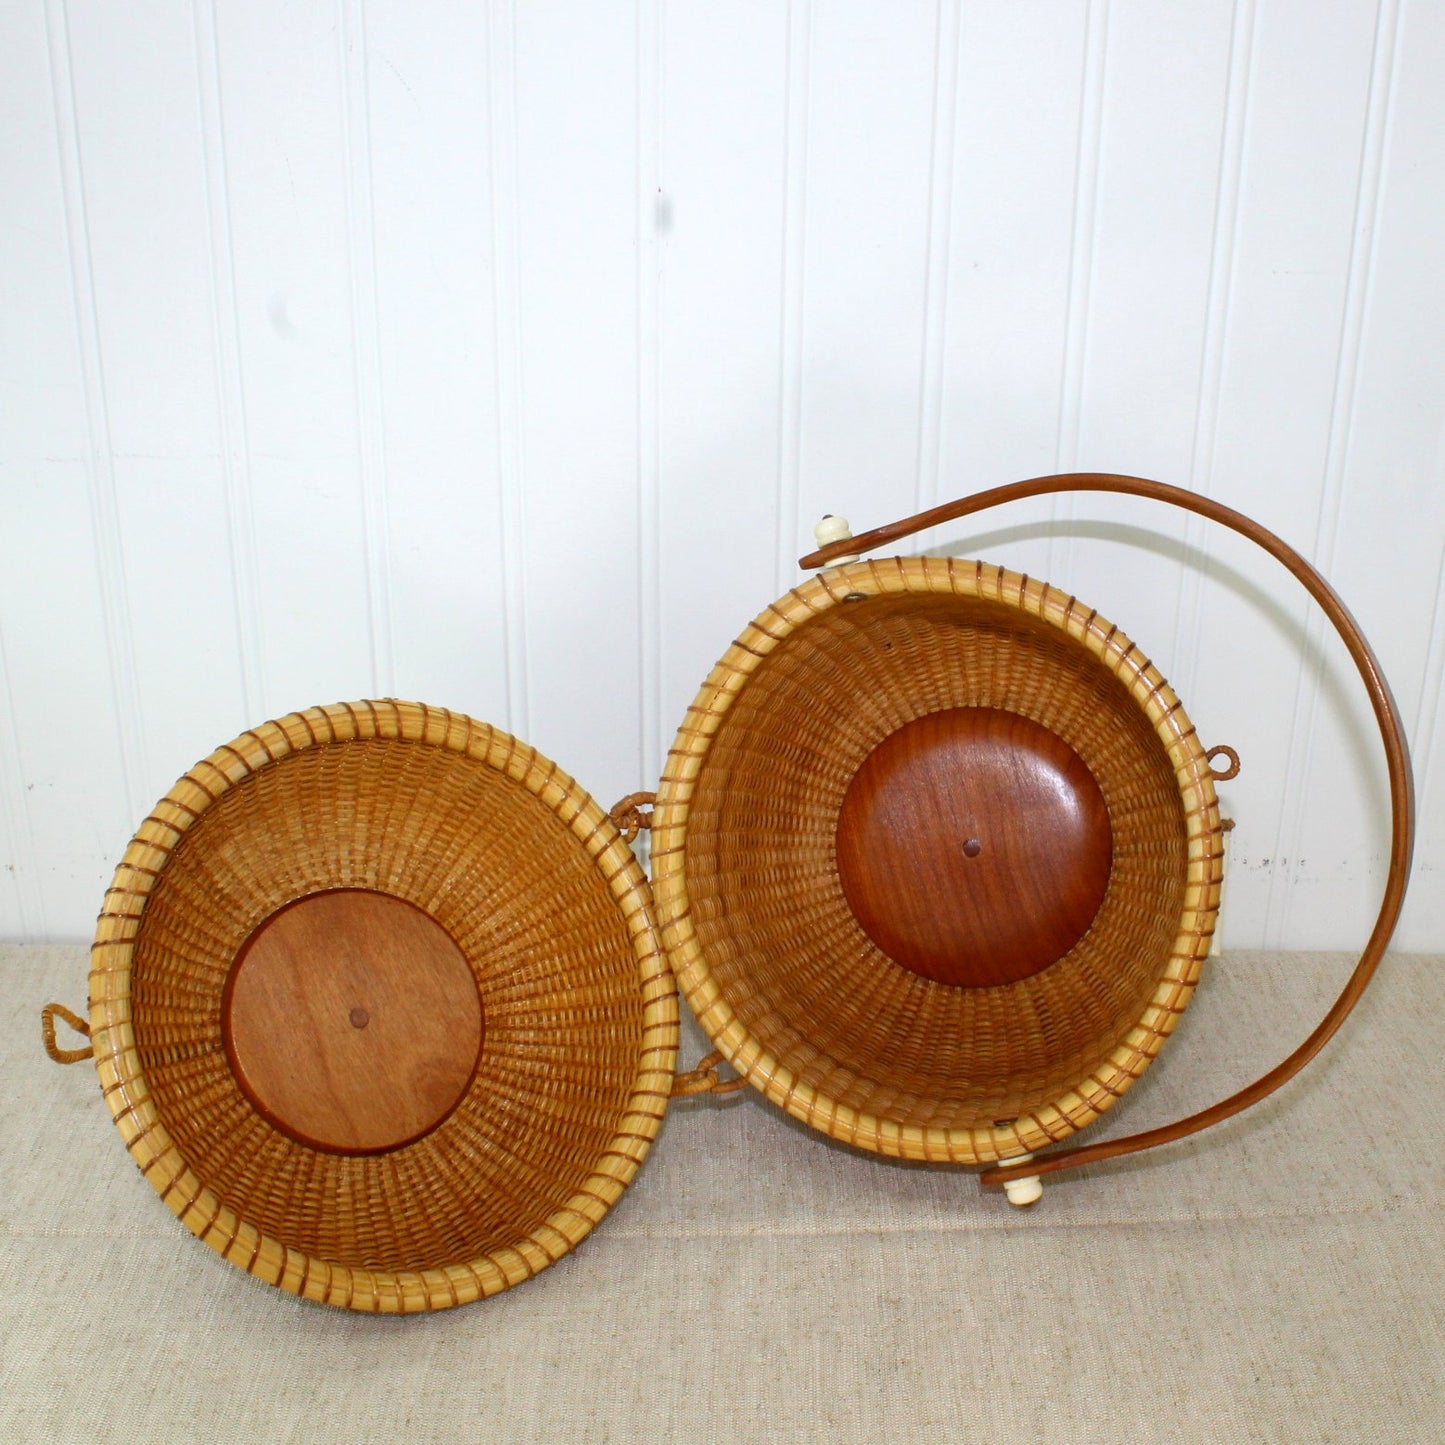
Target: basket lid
{"points": [[378, 1007]]}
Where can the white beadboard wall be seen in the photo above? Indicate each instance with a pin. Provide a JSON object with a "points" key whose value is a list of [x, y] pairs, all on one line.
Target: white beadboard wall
{"points": [[503, 355]]}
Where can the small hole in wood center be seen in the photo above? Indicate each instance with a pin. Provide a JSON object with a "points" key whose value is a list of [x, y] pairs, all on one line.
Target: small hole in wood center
{"points": [[359, 1018]]}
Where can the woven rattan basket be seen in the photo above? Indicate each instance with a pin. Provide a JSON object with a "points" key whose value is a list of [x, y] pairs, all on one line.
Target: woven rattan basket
{"points": [[511, 868], [796, 977], [937, 852], [378, 1001]]}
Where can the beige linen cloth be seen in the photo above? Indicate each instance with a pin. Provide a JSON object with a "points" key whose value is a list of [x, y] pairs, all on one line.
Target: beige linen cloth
{"points": [[1280, 1278]]}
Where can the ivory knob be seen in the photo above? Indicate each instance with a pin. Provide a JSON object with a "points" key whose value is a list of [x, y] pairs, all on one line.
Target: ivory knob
{"points": [[1023, 1192], [834, 529]]}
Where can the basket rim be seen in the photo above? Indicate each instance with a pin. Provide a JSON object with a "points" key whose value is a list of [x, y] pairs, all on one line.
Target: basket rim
{"points": [[1114, 1074], [133, 1108]]}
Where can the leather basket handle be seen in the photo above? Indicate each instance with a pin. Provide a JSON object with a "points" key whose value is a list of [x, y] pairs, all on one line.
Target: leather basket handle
{"points": [[1392, 734]]}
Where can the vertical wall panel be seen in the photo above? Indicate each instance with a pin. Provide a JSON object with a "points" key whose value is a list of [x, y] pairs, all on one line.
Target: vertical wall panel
{"points": [[1318, 732], [42, 424], [1146, 290], [139, 133], [576, 127], [720, 217], [1408, 486], [865, 235], [68, 802], [104, 499], [430, 183], [933, 374], [506, 351], [1302, 153], [647, 195], [797, 107], [282, 70], [366, 347], [1324, 729], [1386, 556], [1015, 159], [232, 428]]}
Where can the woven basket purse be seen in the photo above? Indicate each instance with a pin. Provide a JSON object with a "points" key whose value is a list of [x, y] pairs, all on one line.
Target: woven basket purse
{"points": [[385, 1011]]}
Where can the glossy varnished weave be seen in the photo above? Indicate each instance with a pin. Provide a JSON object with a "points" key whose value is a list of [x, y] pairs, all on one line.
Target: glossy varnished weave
{"points": [[774, 961], [545, 902]]}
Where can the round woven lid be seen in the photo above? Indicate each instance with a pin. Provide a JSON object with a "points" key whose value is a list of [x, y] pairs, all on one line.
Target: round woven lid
{"points": [[378, 1007], [852, 972]]}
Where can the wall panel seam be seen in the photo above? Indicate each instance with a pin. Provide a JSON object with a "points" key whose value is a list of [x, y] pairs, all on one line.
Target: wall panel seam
{"points": [[947, 30], [1189, 633], [103, 495], [649, 52], [229, 365], [792, 249], [1082, 234], [366, 338], [503, 201]]}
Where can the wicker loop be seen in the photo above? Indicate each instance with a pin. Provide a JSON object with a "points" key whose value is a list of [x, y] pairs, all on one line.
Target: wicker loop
{"points": [[628, 816], [1231, 767], [704, 1079], [47, 1034]]}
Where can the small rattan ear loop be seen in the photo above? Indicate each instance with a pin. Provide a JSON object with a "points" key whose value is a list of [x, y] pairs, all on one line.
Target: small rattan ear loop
{"points": [[48, 1016], [1392, 735]]}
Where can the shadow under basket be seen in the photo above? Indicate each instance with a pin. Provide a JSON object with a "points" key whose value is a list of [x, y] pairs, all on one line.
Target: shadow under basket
{"points": [[386, 1012]]}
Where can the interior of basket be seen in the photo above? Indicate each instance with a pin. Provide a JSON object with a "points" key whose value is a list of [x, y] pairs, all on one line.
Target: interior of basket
{"points": [[806, 978], [554, 969]]}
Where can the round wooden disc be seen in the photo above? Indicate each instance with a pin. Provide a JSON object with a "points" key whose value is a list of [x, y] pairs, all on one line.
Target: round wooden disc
{"points": [[352, 1021], [974, 847]]}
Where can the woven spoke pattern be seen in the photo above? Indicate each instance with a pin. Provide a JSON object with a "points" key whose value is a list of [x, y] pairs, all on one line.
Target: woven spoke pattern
{"points": [[545, 902], [767, 950]]}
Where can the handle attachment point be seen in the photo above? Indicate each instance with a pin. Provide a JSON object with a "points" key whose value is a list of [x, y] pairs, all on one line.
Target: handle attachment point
{"points": [[628, 816], [704, 1079], [1023, 1190], [832, 531]]}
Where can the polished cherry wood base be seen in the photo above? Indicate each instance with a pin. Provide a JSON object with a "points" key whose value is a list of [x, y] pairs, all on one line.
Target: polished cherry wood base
{"points": [[974, 847], [352, 1021]]}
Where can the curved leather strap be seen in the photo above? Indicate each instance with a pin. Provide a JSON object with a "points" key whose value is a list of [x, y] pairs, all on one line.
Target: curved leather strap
{"points": [[1387, 716]]}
